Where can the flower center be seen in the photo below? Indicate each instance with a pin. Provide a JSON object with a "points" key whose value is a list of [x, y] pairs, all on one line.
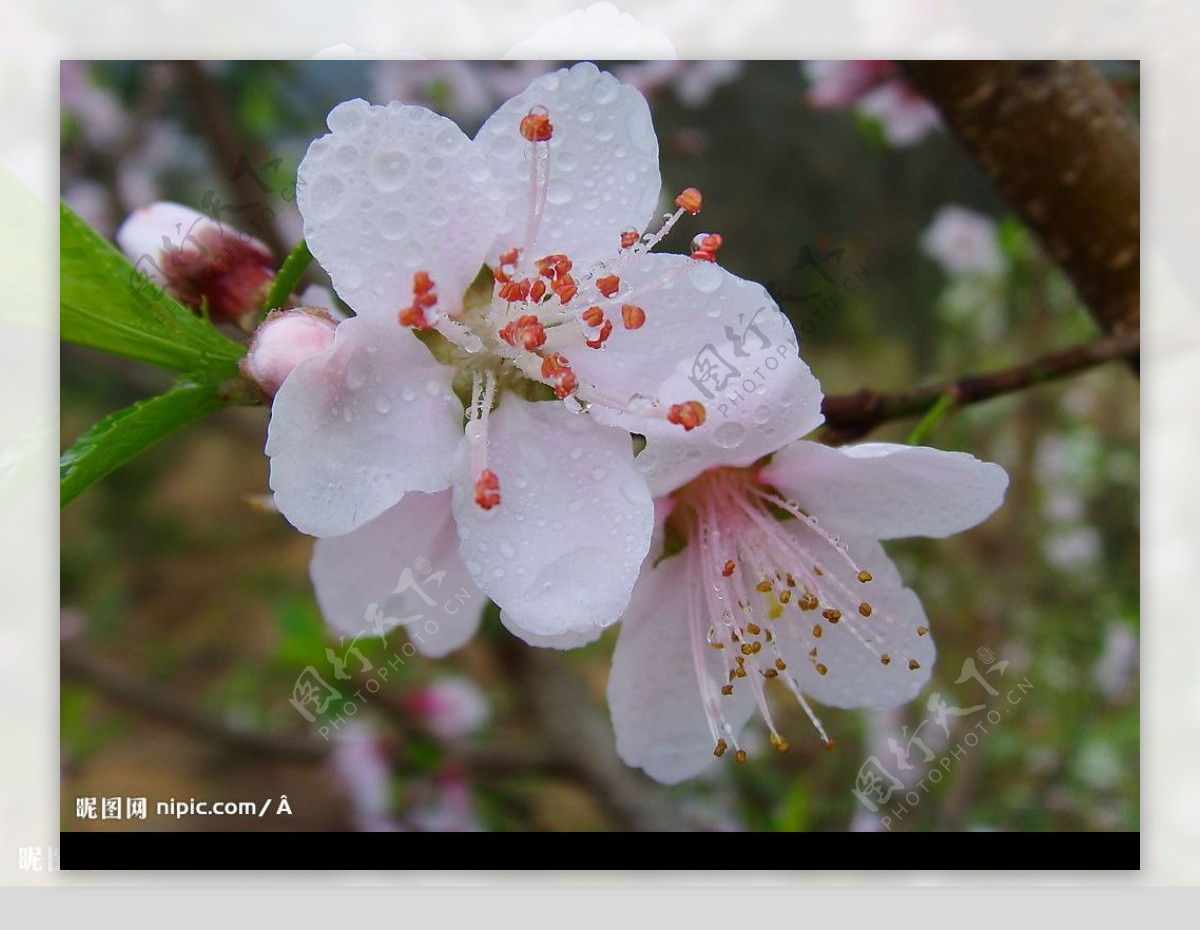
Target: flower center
{"points": [[762, 572], [518, 319]]}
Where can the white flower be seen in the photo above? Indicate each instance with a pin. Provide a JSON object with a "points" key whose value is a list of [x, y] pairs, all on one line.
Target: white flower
{"points": [[963, 242], [781, 584], [905, 115], [554, 519]]}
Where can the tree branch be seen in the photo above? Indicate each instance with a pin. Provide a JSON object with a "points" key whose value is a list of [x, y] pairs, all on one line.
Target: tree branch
{"points": [[1063, 150], [849, 416]]}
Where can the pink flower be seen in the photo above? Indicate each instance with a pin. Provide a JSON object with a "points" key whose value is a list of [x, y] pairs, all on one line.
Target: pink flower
{"points": [[905, 115], [838, 84], [772, 578], [450, 708], [537, 503], [360, 761], [876, 89], [197, 260]]}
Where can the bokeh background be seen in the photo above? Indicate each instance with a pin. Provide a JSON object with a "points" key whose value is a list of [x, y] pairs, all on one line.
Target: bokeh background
{"points": [[187, 611]]}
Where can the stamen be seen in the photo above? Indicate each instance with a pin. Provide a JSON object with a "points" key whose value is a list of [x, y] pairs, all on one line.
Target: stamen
{"points": [[705, 247], [527, 331], [633, 317], [629, 237], [608, 285], [690, 200], [606, 329], [487, 489], [557, 372], [689, 415], [418, 314], [536, 125], [593, 316]]}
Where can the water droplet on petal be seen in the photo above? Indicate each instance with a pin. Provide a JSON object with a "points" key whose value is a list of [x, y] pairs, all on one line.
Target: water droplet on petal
{"points": [[599, 473], [729, 435], [507, 549], [389, 170], [704, 276], [382, 404]]}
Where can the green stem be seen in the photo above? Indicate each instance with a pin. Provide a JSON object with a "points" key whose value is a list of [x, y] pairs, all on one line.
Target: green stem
{"points": [[289, 276], [932, 419]]}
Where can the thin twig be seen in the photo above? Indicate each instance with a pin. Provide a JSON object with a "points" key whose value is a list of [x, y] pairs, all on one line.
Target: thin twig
{"points": [[849, 416]]}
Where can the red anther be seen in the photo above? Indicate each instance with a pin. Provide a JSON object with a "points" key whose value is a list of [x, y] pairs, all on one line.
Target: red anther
{"points": [[729, 569], [536, 127], [414, 317], [690, 200], [554, 266], [593, 316], [538, 291], [557, 370], [555, 365], [515, 290], [629, 238], [689, 415], [566, 288], [527, 332], [633, 317], [422, 283], [510, 257], [705, 247], [424, 299], [487, 489], [608, 285], [605, 332]]}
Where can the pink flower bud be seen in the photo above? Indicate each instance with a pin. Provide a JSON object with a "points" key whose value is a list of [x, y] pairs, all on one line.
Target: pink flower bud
{"points": [[198, 260], [284, 340]]}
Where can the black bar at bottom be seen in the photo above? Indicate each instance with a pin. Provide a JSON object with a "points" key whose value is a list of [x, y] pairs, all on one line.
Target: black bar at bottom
{"points": [[1019, 852]]}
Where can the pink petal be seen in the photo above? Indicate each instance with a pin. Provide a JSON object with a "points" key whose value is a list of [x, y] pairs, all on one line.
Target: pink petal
{"points": [[356, 577], [887, 491], [354, 428], [562, 550]]}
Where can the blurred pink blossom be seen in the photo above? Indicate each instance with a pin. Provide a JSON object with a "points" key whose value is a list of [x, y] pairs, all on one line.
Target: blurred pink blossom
{"points": [[450, 707]]}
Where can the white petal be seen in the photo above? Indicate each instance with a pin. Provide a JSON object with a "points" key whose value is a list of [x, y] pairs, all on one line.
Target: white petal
{"points": [[888, 491], [357, 577], [653, 694], [391, 191], [354, 428], [572, 640], [855, 674], [603, 164], [699, 317], [562, 550]]}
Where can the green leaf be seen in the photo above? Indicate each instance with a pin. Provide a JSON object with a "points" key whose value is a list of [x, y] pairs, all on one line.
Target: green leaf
{"points": [[109, 304], [118, 438]]}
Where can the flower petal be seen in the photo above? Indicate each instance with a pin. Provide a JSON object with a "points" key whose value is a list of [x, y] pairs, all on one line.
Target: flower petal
{"points": [[572, 640], [603, 164], [887, 491], [653, 693], [562, 550], [391, 191], [362, 587], [712, 337], [851, 650], [354, 428]]}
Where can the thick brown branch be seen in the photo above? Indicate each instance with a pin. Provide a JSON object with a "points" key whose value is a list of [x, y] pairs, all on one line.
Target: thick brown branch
{"points": [[1063, 150], [851, 415]]}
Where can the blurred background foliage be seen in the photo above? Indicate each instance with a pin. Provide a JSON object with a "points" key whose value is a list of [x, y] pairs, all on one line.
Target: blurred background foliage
{"points": [[194, 601]]}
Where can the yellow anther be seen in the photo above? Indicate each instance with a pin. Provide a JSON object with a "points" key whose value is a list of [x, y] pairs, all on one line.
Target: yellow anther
{"points": [[865, 609], [817, 631], [721, 747], [832, 615], [770, 673], [785, 596], [740, 755], [821, 669], [885, 659], [727, 689], [864, 577], [764, 586], [922, 630], [753, 629], [914, 664], [779, 742], [780, 664], [746, 649]]}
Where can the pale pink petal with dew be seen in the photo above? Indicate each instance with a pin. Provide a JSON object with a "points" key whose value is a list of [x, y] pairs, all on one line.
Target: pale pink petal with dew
{"points": [[562, 550], [391, 191], [401, 569], [356, 427], [603, 166]]}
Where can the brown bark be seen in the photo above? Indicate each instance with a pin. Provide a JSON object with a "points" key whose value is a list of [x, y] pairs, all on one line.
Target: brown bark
{"points": [[1063, 150]]}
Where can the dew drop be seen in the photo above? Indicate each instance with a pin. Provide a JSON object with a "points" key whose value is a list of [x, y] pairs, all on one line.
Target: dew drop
{"points": [[599, 473], [507, 549], [729, 435], [473, 568], [762, 415], [559, 192], [574, 505], [576, 452], [497, 573], [393, 225], [382, 404], [705, 276], [389, 170], [407, 394], [433, 387]]}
